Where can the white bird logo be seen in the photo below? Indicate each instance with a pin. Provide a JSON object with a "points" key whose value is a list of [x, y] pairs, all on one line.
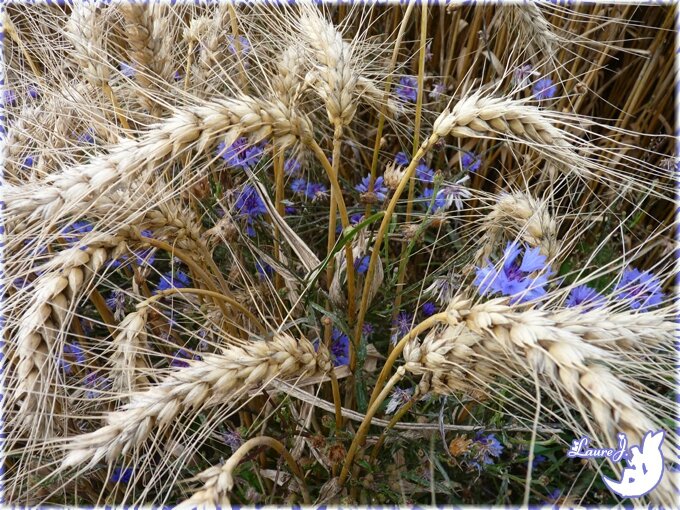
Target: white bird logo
{"points": [[644, 470]]}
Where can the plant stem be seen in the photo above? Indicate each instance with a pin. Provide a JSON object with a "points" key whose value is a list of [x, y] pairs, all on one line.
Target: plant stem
{"points": [[363, 428]]}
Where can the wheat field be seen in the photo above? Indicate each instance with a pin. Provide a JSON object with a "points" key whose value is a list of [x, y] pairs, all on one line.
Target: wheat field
{"points": [[335, 254]]}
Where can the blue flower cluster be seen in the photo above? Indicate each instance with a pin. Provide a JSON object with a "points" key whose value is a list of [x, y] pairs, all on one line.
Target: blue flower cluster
{"points": [[640, 289], [311, 190], [250, 206], [515, 277], [407, 89], [379, 187], [483, 449], [176, 280], [241, 154]]}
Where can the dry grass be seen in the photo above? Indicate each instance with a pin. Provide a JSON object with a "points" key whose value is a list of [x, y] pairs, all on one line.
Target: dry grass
{"points": [[205, 211]]}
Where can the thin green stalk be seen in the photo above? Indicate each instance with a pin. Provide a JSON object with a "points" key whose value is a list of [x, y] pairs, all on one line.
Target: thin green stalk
{"points": [[384, 225], [416, 138], [383, 110]]}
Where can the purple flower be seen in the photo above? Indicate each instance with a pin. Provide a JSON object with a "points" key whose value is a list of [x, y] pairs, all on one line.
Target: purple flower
{"points": [[439, 200], [514, 278], [402, 325], [471, 162], [9, 97], [407, 89], [87, 137], [399, 398], [28, 162], [177, 280], [455, 194], [312, 190], [179, 357], [126, 69], [428, 309], [355, 218], [584, 295], [292, 166], [641, 289], [438, 89], [233, 439], [243, 43], [485, 447], [522, 74], [177, 76], [361, 264], [424, 173], [544, 88], [367, 329], [339, 348], [73, 232], [74, 350], [97, 384], [263, 269], [116, 302], [121, 475], [401, 159], [250, 206], [33, 91], [379, 187], [240, 154]]}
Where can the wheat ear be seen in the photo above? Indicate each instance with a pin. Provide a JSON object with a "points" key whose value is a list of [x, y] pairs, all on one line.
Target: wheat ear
{"points": [[522, 217], [55, 293], [147, 30], [215, 380], [75, 188], [478, 116]]}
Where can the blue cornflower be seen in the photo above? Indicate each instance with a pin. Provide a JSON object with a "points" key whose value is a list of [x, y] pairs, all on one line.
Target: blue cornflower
{"points": [[428, 309], [339, 348], [361, 264], [33, 91], [407, 89], [126, 69], [379, 187], [367, 329], [240, 154], [640, 288], [243, 42], [401, 159], [116, 303], [73, 232], [145, 256], [9, 97], [544, 88], [439, 200], [402, 325], [263, 269], [585, 296], [76, 351], [87, 136], [177, 76], [176, 280], [28, 162], [355, 218], [312, 190], [514, 278], [121, 475], [292, 166], [96, 384], [250, 206], [424, 173], [471, 162], [485, 447], [179, 357], [438, 89]]}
